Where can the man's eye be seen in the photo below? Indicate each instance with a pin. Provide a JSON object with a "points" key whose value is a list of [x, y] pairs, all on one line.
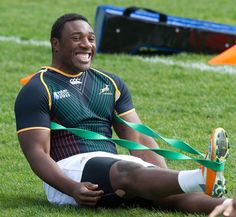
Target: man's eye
{"points": [[75, 38], [92, 39]]}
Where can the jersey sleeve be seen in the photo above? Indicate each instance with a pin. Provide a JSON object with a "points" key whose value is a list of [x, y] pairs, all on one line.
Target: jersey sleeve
{"points": [[124, 103], [32, 106]]}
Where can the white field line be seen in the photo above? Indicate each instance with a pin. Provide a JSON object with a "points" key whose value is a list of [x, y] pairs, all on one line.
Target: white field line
{"points": [[191, 65], [18, 40], [161, 60]]}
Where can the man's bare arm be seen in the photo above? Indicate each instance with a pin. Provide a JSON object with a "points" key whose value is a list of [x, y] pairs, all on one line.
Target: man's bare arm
{"points": [[35, 145], [127, 133]]}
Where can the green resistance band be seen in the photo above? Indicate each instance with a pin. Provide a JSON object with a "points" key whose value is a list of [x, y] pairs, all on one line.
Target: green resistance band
{"points": [[131, 145]]}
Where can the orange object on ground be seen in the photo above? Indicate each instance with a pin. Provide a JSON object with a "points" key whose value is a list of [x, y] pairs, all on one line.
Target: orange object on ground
{"points": [[26, 79], [228, 57]]}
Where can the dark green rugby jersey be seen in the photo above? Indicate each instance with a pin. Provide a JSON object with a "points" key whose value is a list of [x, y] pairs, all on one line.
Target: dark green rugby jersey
{"points": [[86, 100]]}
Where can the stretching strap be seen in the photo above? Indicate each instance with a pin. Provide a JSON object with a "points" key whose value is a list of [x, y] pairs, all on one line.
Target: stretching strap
{"points": [[131, 145]]}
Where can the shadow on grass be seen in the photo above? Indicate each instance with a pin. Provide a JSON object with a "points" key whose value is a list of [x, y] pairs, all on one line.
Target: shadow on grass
{"points": [[36, 203], [16, 201], [22, 204]]}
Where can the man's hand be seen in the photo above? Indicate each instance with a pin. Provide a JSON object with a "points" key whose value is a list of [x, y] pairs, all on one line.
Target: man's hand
{"points": [[227, 209], [36, 147], [87, 194]]}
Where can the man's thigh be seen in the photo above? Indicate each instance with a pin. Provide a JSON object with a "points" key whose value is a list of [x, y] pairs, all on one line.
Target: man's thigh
{"points": [[91, 167]]}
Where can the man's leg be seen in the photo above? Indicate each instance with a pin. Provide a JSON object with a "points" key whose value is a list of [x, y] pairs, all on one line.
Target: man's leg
{"points": [[154, 183], [189, 202], [138, 181], [160, 186]]}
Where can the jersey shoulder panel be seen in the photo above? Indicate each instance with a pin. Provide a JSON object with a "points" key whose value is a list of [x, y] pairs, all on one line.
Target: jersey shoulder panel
{"points": [[32, 105], [124, 101]]}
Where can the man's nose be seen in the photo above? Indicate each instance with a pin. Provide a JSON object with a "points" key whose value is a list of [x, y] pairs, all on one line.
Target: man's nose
{"points": [[85, 43]]}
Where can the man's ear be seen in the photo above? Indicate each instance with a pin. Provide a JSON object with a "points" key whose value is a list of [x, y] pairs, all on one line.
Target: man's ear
{"points": [[55, 44]]}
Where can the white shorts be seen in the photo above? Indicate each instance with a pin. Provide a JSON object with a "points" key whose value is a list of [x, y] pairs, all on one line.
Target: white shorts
{"points": [[73, 168]]}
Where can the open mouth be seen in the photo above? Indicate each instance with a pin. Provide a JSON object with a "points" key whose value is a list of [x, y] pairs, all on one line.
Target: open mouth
{"points": [[83, 57]]}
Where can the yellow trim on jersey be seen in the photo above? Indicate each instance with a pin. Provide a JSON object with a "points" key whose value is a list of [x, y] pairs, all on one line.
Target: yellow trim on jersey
{"points": [[117, 94], [61, 72], [127, 112], [48, 92], [33, 128]]}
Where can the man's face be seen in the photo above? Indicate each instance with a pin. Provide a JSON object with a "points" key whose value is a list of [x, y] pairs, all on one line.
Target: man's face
{"points": [[77, 47]]}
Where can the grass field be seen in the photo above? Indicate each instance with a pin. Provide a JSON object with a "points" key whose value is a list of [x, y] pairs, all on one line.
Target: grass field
{"points": [[177, 101]]}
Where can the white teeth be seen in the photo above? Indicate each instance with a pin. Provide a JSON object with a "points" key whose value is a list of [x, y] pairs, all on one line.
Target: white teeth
{"points": [[83, 57]]}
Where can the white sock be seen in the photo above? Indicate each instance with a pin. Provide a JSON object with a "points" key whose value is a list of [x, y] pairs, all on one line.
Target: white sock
{"points": [[191, 181]]}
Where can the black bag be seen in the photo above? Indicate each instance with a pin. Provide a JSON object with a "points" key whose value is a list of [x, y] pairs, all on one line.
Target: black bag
{"points": [[138, 30]]}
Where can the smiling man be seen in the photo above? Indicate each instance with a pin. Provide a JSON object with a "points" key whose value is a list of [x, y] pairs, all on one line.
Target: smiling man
{"points": [[88, 172], [67, 55]]}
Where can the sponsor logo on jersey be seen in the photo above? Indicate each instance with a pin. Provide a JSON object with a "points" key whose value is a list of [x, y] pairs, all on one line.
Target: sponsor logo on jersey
{"points": [[105, 90], [61, 94], [74, 81]]}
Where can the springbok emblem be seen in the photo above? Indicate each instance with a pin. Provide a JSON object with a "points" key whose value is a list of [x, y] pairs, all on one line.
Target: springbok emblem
{"points": [[105, 90]]}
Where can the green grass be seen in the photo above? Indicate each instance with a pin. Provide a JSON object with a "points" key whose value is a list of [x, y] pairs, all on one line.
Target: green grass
{"points": [[177, 102]]}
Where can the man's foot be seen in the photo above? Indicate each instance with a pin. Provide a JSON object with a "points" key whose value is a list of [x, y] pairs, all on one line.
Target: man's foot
{"points": [[218, 150]]}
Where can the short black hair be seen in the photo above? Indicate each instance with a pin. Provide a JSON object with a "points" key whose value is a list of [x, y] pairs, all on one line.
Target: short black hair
{"points": [[60, 22]]}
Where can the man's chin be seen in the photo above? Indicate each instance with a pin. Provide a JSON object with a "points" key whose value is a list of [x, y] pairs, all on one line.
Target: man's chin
{"points": [[82, 67]]}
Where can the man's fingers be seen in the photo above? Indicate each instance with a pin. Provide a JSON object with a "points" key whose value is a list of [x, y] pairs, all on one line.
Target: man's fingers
{"points": [[89, 193], [89, 201], [228, 211], [90, 190], [91, 186], [217, 211]]}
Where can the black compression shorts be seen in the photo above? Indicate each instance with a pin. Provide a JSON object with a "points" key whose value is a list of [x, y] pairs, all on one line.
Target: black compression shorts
{"points": [[97, 170]]}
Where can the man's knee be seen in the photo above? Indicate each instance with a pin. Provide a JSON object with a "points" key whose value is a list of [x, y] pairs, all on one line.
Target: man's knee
{"points": [[124, 173]]}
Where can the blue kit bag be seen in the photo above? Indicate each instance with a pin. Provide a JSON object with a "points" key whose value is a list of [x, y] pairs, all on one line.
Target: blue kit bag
{"points": [[136, 30]]}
